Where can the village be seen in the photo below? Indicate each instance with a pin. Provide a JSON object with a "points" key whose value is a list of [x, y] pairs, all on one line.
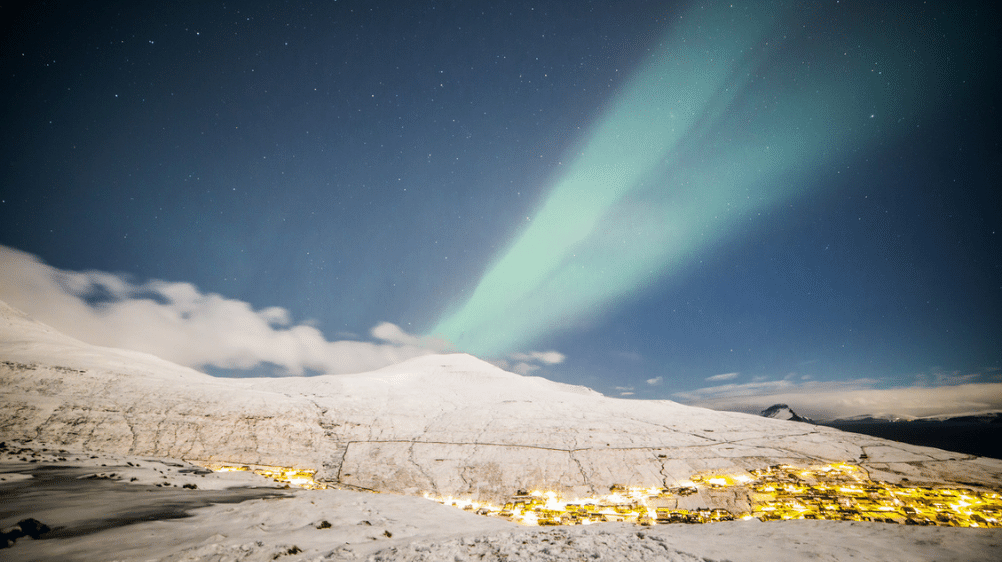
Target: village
{"points": [[836, 491], [842, 492]]}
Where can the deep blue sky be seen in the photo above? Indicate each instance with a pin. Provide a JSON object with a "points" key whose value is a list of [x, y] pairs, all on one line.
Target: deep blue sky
{"points": [[359, 162]]}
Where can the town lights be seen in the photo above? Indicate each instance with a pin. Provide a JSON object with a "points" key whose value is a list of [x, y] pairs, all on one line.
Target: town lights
{"points": [[299, 477], [836, 492]]}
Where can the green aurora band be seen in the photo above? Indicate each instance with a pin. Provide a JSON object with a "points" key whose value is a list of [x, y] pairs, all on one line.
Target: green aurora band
{"points": [[729, 117]]}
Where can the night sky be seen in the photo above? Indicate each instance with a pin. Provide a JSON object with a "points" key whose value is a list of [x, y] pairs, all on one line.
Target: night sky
{"points": [[663, 193]]}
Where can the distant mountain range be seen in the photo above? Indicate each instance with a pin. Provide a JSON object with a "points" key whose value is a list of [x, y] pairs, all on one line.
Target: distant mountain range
{"points": [[983, 417], [975, 433]]}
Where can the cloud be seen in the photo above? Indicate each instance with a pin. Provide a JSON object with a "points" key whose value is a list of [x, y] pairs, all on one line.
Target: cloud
{"points": [[629, 356], [526, 363], [179, 323], [548, 357], [832, 400], [723, 377], [524, 368], [393, 334], [625, 390], [939, 378], [654, 381]]}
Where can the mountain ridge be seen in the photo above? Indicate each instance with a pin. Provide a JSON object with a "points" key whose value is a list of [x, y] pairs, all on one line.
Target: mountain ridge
{"points": [[990, 416], [437, 424]]}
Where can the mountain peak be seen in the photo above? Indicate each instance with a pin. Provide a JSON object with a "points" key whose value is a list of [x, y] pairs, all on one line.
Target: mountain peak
{"points": [[782, 412]]}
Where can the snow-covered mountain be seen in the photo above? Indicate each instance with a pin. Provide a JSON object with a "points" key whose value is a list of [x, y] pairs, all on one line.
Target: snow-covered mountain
{"points": [[783, 412], [875, 418], [441, 424], [974, 417], [977, 433]]}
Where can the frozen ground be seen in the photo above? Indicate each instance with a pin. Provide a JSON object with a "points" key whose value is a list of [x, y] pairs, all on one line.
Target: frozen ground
{"points": [[89, 468], [439, 424], [96, 511], [132, 508]]}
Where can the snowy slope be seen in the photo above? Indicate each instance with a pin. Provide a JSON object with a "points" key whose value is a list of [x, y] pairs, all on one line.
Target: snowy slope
{"points": [[117, 519], [443, 424]]}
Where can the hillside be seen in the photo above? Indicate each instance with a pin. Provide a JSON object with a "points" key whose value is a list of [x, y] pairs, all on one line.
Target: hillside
{"points": [[438, 424]]}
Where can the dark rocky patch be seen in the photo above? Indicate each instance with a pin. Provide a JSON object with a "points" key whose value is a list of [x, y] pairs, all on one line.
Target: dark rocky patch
{"points": [[29, 527]]}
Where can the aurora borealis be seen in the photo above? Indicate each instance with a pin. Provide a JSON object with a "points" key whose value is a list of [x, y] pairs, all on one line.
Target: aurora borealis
{"points": [[719, 123], [656, 201]]}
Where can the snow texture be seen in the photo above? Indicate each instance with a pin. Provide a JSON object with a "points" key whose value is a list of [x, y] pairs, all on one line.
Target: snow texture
{"points": [[439, 424], [107, 507], [96, 511]]}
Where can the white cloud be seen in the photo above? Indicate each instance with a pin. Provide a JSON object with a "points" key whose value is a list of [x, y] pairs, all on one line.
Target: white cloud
{"points": [[527, 363], [547, 357], [393, 334], [524, 368], [654, 381], [625, 390], [276, 316], [723, 377], [177, 322], [832, 400], [629, 356], [939, 378]]}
